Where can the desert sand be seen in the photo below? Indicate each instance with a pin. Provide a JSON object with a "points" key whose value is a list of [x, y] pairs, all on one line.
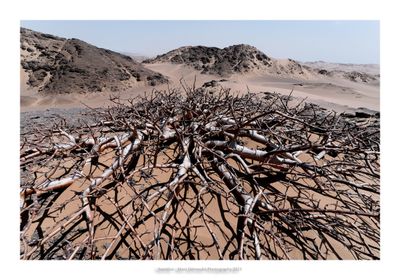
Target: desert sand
{"points": [[329, 92], [332, 93], [201, 224]]}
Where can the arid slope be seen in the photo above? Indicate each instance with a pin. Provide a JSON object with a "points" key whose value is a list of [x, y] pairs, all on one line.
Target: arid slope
{"points": [[52, 64]]}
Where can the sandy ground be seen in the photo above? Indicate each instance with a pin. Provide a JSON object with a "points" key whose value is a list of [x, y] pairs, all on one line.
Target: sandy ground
{"points": [[105, 231], [332, 93]]}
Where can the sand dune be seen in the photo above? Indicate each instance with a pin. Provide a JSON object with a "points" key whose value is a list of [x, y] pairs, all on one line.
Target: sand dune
{"points": [[333, 93]]}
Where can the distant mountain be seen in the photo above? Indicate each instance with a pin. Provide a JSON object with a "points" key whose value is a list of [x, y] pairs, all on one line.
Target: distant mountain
{"points": [[371, 69], [59, 65], [363, 73], [136, 56], [241, 59], [238, 59]]}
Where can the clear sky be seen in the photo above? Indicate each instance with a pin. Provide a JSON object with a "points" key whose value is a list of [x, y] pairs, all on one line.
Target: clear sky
{"points": [[332, 41]]}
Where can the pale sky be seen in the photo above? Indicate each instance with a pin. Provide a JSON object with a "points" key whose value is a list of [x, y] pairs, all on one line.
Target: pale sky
{"points": [[311, 40]]}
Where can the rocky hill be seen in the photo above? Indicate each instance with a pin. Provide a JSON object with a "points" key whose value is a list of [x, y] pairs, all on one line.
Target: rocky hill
{"points": [[230, 60], [212, 60], [59, 65], [246, 59]]}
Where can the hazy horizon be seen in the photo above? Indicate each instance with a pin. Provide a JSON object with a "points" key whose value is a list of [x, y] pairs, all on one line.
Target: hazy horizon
{"points": [[355, 42]]}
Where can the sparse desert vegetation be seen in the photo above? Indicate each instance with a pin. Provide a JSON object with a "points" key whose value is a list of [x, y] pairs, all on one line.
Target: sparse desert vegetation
{"points": [[199, 175]]}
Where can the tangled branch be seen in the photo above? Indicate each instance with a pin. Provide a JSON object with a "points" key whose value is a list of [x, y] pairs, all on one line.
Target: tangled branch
{"points": [[203, 176]]}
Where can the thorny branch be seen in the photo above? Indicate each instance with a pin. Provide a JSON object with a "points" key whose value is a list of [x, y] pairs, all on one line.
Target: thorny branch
{"points": [[203, 176]]}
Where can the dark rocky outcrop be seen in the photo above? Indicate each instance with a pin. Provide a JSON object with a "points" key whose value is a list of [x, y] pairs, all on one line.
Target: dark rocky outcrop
{"points": [[211, 60], [355, 76], [59, 65]]}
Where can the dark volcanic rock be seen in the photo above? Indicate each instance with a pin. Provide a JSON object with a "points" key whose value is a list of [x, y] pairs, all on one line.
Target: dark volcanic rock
{"points": [[212, 83], [359, 77], [363, 115], [323, 72], [59, 65], [212, 60]]}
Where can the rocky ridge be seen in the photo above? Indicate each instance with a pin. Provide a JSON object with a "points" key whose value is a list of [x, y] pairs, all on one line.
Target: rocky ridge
{"points": [[212, 60], [241, 59], [58, 65]]}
